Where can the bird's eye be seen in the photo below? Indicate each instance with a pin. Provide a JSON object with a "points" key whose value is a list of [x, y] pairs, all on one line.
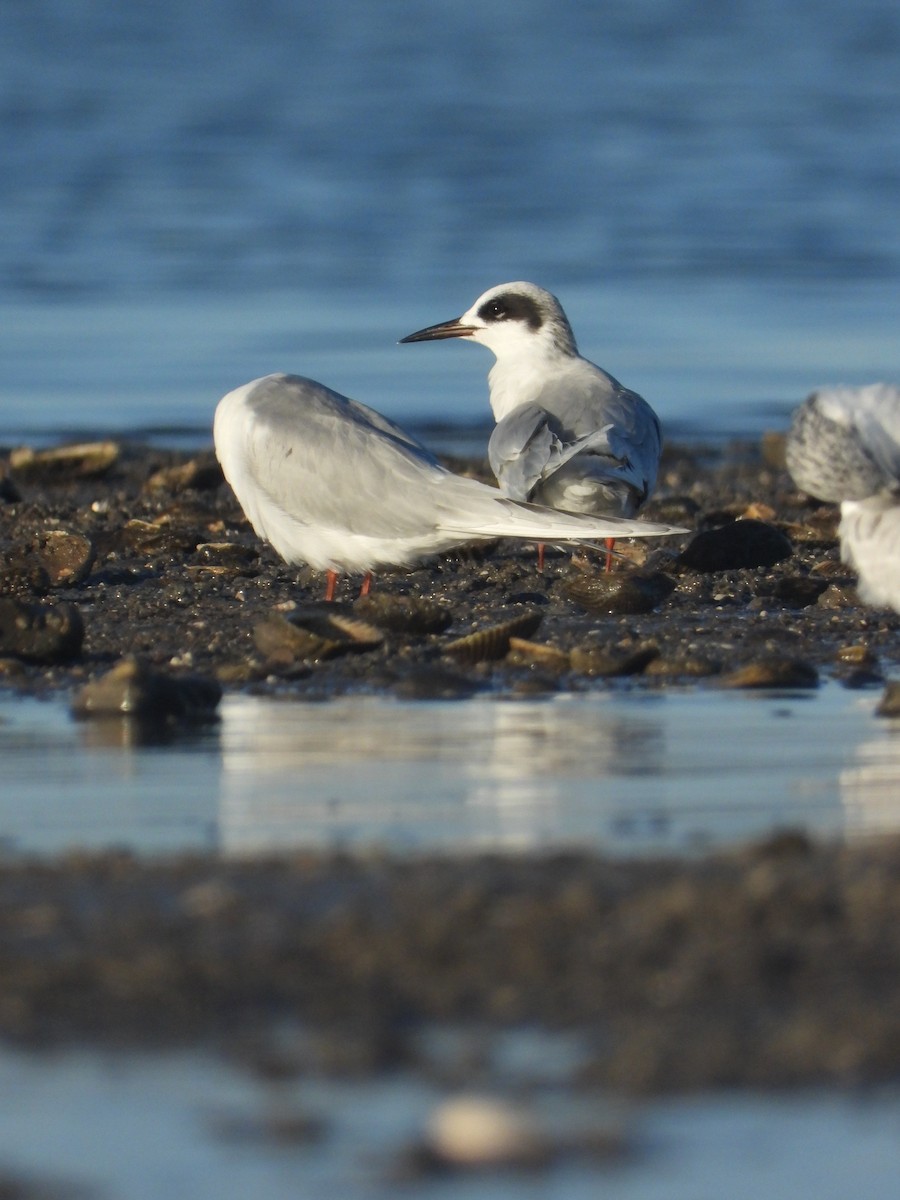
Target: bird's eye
{"points": [[497, 310]]}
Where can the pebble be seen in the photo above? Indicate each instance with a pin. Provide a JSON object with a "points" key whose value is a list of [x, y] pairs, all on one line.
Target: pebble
{"points": [[66, 557], [798, 591], [772, 673], [732, 547], [42, 633], [620, 592], [202, 474], [612, 661], [476, 1132], [134, 688]]}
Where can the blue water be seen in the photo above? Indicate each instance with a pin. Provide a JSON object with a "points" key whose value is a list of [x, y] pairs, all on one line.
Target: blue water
{"points": [[195, 193]]}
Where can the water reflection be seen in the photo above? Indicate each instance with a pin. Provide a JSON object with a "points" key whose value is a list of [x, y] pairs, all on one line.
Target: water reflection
{"points": [[481, 774], [870, 788], [629, 773]]}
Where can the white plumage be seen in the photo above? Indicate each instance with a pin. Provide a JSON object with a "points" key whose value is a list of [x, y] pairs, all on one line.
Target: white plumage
{"points": [[334, 484], [844, 446], [568, 434]]}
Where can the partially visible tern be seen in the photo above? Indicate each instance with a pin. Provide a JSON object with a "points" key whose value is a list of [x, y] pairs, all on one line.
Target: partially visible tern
{"points": [[568, 435], [844, 446], [334, 484]]}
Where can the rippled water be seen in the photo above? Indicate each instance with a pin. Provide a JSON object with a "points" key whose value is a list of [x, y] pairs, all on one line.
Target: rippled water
{"points": [[196, 194], [624, 773]]}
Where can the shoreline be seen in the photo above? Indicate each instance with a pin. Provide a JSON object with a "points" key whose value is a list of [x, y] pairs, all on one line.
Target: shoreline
{"points": [[769, 965], [147, 550]]}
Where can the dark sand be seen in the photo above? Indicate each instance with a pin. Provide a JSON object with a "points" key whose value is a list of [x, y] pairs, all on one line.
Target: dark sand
{"points": [[774, 964]]}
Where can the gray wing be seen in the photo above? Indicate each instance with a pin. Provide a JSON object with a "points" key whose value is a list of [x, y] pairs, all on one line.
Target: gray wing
{"points": [[878, 420], [844, 443], [618, 440], [334, 463]]}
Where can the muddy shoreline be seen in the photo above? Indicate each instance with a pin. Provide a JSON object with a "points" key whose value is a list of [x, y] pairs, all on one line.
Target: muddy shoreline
{"points": [[773, 964], [152, 552]]}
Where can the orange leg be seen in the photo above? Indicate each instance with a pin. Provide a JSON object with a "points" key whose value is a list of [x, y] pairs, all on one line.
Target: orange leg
{"points": [[366, 584], [540, 547], [331, 578], [610, 542]]}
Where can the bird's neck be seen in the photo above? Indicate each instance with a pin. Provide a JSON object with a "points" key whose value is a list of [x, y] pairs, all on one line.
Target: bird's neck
{"points": [[521, 379]]}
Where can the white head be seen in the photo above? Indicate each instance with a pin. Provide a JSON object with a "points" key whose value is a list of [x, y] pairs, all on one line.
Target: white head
{"points": [[513, 320]]}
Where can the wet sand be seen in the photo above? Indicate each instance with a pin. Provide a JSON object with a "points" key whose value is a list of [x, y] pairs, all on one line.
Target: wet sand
{"points": [[773, 964]]}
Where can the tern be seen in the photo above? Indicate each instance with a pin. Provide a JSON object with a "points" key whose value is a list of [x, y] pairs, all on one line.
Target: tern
{"points": [[844, 446], [568, 435], [332, 483]]}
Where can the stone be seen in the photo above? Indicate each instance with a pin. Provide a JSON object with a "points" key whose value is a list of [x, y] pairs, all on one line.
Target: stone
{"points": [[41, 633], [798, 591], [772, 673], [202, 473], [477, 1132], [134, 688], [66, 557], [739, 545], [613, 661]]}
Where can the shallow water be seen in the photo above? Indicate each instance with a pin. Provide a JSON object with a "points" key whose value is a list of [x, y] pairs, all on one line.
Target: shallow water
{"points": [[624, 772], [139, 1128]]}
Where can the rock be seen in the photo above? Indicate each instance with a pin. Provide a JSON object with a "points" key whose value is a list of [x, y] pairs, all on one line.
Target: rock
{"points": [[733, 547], [837, 596], [227, 554], [798, 591], [43, 633], [620, 592], [857, 655], [133, 688], [694, 666], [9, 493], [432, 681], [611, 661], [80, 461], [889, 704], [66, 557], [772, 673], [478, 1132], [202, 473]]}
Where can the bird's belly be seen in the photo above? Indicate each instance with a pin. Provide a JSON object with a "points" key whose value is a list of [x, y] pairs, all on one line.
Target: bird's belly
{"points": [[580, 494]]}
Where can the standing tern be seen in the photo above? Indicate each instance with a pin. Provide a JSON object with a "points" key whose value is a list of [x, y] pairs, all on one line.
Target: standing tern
{"points": [[844, 446], [334, 484], [568, 435]]}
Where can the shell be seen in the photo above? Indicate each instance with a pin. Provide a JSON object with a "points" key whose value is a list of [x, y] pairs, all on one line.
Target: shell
{"points": [[620, 592], [537, 653], [610, 661], [79, 461], [488, 645], [403, 614], [312, 636]]}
